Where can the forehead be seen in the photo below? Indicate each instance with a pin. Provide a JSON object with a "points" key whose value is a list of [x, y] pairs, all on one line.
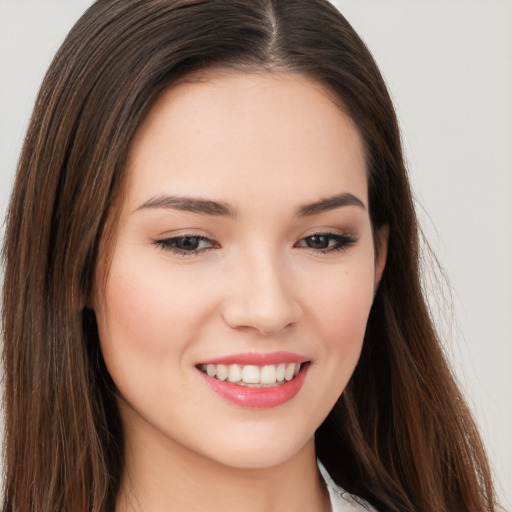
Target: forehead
{"points": [[256, 136]]}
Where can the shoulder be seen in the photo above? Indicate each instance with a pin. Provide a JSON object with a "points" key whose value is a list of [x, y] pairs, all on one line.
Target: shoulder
{"points": [[341, 500]]}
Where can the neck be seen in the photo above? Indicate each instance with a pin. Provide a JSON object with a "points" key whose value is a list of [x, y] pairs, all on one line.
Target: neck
{"points": [[166, 477]]}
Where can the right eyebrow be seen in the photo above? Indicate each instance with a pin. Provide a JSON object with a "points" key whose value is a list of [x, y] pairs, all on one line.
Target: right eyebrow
{"points": [[190, 204], [330, 203]]}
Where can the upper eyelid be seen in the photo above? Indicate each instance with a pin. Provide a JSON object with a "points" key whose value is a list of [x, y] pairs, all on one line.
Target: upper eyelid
{"points": [[179, 237], [166, 245], [183, 233], [334, 234], [341, 242], [345, 234], [349, 237]]}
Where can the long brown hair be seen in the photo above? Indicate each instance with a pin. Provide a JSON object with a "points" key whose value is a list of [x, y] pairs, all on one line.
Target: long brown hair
{"points": [[400, 435]]}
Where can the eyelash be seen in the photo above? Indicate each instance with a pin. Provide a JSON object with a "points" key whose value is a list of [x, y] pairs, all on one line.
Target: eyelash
{"points": [[341, 243], [171, 244]]}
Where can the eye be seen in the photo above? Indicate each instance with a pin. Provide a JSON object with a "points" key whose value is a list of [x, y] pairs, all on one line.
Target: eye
{"points": [[186, 245], [326, 242]]}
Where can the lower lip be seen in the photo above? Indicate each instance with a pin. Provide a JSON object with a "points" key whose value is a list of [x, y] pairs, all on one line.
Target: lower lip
{"points": [[257, 398]]}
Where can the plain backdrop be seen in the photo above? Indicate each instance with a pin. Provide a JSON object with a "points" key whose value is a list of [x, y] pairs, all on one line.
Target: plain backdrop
{"points": [[448, 64]]}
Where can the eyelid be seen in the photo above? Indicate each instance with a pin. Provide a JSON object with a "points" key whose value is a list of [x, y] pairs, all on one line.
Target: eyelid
{"points": [[170, 244], [343, 241]]}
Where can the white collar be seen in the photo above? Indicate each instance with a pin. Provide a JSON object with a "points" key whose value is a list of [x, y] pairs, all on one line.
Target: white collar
{"points": [[341, 500]]}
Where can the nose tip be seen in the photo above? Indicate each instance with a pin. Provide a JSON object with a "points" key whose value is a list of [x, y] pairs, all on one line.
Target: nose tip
{"points": [[264, 304], [253, 318]]}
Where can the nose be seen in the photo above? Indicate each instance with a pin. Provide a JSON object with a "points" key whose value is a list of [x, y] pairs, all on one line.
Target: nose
{"points": [[262, 297]]}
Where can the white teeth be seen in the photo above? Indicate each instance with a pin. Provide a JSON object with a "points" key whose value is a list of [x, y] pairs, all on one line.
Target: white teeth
{"points": [[290, 371], [251, 374], [222, 372], [268, 374], [280, 371], [234, 373]]}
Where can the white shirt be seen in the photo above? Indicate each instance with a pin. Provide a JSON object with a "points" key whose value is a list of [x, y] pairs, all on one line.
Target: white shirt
{"points": [[341, 500]]}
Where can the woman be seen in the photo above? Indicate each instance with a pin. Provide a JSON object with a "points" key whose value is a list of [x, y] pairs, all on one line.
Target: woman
{"points": [[212, 277]]}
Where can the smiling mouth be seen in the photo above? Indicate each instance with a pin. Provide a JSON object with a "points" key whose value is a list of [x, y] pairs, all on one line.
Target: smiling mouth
{"points": [[253, 376]]}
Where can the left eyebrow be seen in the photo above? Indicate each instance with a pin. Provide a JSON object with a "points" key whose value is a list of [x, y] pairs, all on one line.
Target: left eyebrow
{"points": [[190, 204], [330, 203]]}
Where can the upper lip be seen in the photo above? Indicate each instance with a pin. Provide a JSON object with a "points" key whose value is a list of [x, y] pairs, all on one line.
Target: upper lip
{"points": [[258, 359]]}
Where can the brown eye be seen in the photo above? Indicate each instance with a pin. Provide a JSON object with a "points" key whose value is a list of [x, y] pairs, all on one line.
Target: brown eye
{"points": [[318, 241], [326, 242], [187, 243]]}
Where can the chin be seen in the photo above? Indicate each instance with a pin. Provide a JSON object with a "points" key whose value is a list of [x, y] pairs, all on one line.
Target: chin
{"points": [[249, 451]]}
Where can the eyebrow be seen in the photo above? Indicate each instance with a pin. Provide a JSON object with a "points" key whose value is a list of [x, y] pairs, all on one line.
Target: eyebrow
{"points": [[190, 204], [330, 203], [221, 209]]}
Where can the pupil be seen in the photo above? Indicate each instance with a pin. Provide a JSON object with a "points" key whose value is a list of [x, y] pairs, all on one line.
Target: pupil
{"points": [[318, 242], [189, 243]]}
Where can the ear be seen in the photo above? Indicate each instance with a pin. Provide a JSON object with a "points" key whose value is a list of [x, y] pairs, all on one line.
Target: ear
{"points": [[381, 252]]}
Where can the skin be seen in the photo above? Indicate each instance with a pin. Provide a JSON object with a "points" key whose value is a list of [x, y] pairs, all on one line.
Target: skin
{"points": [[255, 285]]}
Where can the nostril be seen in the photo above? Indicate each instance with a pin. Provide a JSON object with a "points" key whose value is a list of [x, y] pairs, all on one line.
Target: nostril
{"points": [[267, 321], [262, 298]]}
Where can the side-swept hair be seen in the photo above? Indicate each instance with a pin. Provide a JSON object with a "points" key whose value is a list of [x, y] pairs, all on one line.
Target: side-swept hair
{"points": [[400, 435]]}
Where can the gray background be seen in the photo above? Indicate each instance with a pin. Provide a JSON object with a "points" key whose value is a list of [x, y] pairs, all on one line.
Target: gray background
{"points": [[448, 64]]}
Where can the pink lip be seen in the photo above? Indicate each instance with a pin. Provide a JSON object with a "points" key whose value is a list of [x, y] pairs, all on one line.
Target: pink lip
{"points": [[258, 359], [257, 398]]}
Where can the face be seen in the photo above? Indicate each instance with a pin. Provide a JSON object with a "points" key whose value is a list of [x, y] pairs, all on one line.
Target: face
{"points": [[243, 270]]}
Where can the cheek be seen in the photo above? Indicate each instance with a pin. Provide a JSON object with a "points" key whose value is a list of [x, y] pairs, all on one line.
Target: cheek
{"points": [[343, 303], [347, 312], [146, 320], [132, 312], [147, 302], [340, 306]]}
